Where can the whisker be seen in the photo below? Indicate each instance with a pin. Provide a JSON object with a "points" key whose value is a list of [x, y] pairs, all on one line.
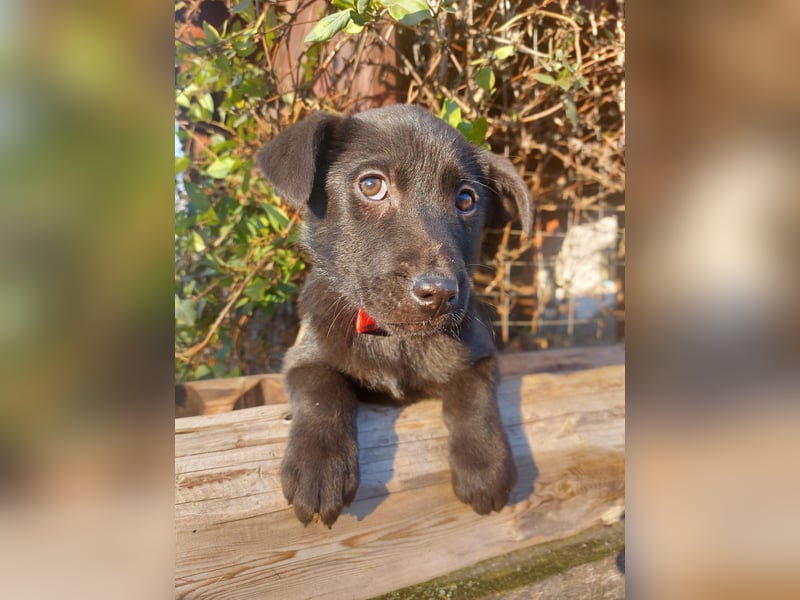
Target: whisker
{"points": [[489, 268], [339, 301]]}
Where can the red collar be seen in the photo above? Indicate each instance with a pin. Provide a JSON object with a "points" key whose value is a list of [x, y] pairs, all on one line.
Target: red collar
{"points": [[366, 324]]}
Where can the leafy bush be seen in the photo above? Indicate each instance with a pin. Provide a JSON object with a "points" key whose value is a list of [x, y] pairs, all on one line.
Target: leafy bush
{"points": [[233, 256], [542, 83]]}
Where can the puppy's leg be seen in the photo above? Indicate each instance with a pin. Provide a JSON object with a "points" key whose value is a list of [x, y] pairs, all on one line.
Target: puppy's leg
{"points": [[319, 473], [483, 469]]}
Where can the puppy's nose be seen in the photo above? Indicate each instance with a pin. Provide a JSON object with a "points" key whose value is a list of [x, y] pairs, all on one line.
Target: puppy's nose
{"points": [[435, 294]]}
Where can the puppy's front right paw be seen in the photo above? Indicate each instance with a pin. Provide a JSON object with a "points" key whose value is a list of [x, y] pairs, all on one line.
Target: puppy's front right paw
{"points": [[320, 477], [483, 476]]}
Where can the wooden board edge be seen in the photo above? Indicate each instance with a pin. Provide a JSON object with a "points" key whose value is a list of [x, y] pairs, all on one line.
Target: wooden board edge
{"points": [[520, 568]]}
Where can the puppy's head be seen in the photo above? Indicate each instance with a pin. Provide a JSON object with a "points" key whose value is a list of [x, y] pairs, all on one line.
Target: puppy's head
{"points": [[394, 201]]}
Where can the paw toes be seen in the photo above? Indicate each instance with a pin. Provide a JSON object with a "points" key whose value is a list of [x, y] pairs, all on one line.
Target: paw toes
{"points": [[484, 503], [499, 502], [481, 505], [329, 514], [330, 504], [323, 490], [349, 491], [482, 497], [303, 513]]}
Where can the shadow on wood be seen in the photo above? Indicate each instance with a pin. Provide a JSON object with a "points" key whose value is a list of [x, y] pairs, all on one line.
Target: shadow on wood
{"points": [[511, 413], [237, 538], [385, 451]]}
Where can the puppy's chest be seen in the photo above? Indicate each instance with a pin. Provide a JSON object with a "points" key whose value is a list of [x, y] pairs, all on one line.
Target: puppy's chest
{"points": [[406, 369]]}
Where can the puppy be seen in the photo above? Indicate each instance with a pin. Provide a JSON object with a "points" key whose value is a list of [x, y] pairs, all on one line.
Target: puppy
{"points": [[393, 203]]}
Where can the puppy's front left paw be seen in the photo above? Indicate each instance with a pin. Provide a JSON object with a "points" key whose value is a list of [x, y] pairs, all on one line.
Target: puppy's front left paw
{"points": [[320, 478], [483, 479]]}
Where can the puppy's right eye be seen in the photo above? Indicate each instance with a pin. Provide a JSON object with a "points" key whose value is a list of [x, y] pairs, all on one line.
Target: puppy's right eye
{"points": [[373, 187]]}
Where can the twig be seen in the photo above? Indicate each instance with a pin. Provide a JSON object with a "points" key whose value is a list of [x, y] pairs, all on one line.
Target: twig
{"points": [[543, 114]]}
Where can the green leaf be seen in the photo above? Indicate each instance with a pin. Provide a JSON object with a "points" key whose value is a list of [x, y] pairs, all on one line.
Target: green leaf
{"points": [[203, 372], [354, 28], [328, 26], [217, 142], [278, 219], [211, 34], [185, 313], [197, 242], [242, 6], [246, 178], [565, 79], [270, 21], [503, 52], [196, 196], [244, 46], [223, 233], [293, 236], [206, 102], [255, 87], [223, 64], [220, 168], [544, 78], [255, 289], [451, 113], [408, 12], [572, 111], [182, 99], [208, 218], [182, 163], [477, 132], [485, 79], [362, 6]]}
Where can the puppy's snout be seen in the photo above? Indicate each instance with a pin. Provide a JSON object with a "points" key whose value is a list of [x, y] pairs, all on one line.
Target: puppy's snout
{"points": [[435, 294]]}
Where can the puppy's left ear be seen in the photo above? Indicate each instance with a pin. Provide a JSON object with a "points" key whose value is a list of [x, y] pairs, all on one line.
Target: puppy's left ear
{"points": [[291, 161], [511, 194]]}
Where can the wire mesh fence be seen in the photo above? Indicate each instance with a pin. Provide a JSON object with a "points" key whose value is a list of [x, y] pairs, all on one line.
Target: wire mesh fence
{"points": [[562, 287]]}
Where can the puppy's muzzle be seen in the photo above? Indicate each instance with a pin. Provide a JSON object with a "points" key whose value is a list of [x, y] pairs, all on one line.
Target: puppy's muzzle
{"points": [[435, 295]]}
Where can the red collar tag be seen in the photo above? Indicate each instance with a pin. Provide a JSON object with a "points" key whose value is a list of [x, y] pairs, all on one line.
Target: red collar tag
{"points": [[365, 323]]}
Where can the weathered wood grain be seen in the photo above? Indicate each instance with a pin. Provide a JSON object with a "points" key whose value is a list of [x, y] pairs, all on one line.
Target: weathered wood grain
{"points": [[236, 538], [209, 397], [215, 396]]}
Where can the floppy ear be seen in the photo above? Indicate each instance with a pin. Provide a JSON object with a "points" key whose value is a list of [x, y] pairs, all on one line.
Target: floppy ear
{"points": [[512, 199], [291, 160]]}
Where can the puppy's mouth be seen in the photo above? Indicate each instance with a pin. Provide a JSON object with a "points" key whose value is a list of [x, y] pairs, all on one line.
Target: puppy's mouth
{"points": [[367, 324]]}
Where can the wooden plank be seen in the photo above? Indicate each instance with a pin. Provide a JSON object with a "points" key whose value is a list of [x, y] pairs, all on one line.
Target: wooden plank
{"points": [[560, 360], [215, 396], [586, 565], [236, 538]]}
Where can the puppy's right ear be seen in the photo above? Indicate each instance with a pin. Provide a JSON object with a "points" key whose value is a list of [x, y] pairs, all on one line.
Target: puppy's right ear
{"points": [[291, 160]]}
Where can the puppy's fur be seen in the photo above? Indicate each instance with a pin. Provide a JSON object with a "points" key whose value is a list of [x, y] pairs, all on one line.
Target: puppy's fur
{"points": [[393, 202]]}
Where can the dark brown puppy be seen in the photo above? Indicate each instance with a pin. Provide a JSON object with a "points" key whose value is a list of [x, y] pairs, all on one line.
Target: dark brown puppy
{"points": [[393, 202]]}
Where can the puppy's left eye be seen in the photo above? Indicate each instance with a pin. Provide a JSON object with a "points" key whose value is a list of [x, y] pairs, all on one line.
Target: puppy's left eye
{"points": [[373, 187], [466, 203]]}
